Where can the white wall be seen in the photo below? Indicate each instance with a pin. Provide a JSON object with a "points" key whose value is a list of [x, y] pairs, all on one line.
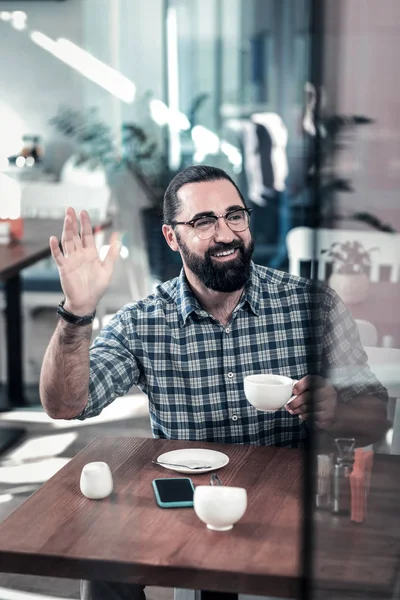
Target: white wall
{"points": [[365, 37], [126, 34], [32, 82]]}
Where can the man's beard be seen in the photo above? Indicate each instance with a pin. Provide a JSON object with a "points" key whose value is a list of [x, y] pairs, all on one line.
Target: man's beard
{"points": [[228, 276]]}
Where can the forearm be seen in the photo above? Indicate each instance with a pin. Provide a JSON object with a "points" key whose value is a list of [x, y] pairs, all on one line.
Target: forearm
{"points": [[64, 377], [364, 418]]}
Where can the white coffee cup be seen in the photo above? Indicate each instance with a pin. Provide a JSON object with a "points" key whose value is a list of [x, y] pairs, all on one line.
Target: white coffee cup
{"points": [[219, 506], [96, 480], [268, 392]]}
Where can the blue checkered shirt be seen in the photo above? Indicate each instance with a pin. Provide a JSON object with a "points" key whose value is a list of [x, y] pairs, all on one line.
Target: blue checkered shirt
{"points": [[192, 367]]}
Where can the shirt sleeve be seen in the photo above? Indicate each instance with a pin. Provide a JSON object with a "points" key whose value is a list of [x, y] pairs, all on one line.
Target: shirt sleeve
{"points": [[113, 366], [345, 362]]}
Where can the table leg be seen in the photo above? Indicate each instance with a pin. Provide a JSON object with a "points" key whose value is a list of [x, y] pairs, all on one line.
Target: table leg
{"points": [[14, 342], [395, 448], [13, 396], [207, 595], [185, 594]]}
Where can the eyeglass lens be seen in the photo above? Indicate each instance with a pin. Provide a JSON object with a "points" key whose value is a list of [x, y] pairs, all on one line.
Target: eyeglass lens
{"points": [[237, 220]]}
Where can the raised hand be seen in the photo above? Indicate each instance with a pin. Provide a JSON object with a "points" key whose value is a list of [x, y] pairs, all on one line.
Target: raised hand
{"points": [[84, 277]]}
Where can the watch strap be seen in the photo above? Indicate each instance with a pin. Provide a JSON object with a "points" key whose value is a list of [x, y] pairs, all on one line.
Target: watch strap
{"points": [[74, 319]]}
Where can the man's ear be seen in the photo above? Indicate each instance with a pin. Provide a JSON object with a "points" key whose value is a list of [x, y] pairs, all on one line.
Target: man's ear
{"points": [[170, 236]]}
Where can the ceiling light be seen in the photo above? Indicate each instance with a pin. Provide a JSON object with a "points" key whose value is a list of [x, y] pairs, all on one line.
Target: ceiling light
{"points": [[88, 66], [163, 115], [173, 86], [18, 20]]}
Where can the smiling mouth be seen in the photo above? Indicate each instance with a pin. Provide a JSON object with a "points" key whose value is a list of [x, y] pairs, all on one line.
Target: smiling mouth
{"points": [[226, 254]]}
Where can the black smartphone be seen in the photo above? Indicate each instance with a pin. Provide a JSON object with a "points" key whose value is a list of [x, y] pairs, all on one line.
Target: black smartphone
{"points": [[173, 492]]}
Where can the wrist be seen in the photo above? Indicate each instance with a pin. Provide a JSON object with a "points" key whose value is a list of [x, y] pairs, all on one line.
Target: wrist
{"points": [[74, 318], [79, 310]]}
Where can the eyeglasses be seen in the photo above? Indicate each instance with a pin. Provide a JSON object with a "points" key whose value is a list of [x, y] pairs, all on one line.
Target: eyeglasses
{"points": [[205, 227]]}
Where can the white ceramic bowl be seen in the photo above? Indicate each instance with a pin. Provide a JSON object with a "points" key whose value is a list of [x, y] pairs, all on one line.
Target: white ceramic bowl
{"points": [[96, 480], [268, 392], [219, 506]]}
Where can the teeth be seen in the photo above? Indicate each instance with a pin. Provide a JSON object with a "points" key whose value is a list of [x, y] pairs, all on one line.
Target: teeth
{"points": [[227, 253]]}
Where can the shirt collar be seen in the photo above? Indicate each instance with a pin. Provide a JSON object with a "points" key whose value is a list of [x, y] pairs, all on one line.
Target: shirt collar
{"points": [[252, 291], [187, 303]]}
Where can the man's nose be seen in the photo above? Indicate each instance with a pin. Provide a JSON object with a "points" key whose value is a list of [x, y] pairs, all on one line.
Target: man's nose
{"points": [[223, 233]]}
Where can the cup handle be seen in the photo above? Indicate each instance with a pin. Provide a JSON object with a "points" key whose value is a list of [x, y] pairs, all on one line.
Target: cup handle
{"points": [[295, 396]]}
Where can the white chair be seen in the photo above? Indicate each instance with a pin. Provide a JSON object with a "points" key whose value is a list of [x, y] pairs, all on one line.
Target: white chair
{"points": [[368, 332], [305, 245], [385, 364]]}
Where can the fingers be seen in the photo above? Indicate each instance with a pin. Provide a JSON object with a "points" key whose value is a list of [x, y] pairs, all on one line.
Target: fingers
{"points": [[302, 385], [75, 232], [71, 238], [303, 403], [115, 237], [300, 405], [86, 230], [56, 252], [307, 383], [322, 401], [67, 238]]}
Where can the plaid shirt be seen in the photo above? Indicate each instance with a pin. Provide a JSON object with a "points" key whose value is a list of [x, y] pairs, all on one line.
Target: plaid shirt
{"points": [[192, 367]]}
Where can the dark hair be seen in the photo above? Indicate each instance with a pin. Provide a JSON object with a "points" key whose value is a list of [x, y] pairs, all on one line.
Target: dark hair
{"points": [[193, 174]]}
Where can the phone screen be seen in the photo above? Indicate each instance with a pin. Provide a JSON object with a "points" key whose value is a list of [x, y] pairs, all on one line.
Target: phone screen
{"points": [[175, 490]]}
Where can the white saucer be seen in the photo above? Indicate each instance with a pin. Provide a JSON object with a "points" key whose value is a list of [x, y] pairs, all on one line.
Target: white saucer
{"points": [[193, 457]]}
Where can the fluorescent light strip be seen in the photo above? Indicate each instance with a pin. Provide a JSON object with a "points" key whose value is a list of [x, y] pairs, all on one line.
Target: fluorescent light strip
{"points": [[98, 71], [121, 87], [163, 115], [173, 87], [88, 66]]}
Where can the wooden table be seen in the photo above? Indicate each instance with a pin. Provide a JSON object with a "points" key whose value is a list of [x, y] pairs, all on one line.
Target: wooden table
{"points": [[127, 537], [58, 532]]}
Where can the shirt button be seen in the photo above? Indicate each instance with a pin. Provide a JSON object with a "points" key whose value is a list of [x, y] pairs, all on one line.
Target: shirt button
{"points": [[230, 375], [228, 330], [234, 417]]}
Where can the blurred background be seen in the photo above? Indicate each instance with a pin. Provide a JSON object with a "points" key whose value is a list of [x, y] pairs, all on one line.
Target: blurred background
{"points": [[102, 102]]}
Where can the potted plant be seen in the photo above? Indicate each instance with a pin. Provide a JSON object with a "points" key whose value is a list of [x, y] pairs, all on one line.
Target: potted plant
{"points": [[335, 132], [95, 145], [96, 148], [351, 264]]}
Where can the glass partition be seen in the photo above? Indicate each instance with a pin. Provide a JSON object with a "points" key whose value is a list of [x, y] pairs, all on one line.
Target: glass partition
{"points": [[355, 251], [240, 79]]}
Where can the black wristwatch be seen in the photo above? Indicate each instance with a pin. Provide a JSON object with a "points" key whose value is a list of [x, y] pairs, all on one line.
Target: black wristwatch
{"points": [[74, 319]]}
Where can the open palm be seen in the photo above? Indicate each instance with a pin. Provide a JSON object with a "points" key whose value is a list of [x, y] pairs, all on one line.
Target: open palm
{"points": [[84, 277]]}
